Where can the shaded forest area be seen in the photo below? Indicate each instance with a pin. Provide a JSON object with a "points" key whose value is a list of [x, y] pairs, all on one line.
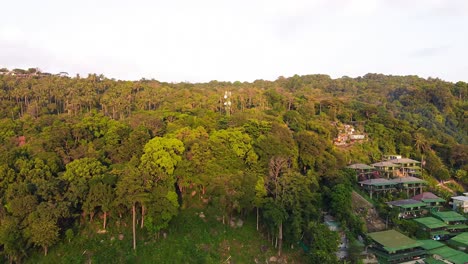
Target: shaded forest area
{"points": [[80, 150]]}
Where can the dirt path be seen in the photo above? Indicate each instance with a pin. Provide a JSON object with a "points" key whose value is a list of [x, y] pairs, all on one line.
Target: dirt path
{"points": [[373, 221], [442, 185]]}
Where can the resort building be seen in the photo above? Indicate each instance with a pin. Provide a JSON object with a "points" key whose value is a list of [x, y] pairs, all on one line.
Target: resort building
{"points": [[377, 186], [432, 201], [460, 203], [393, 247], [460, 241], [433, 227], [408, 208], [456, 223]]}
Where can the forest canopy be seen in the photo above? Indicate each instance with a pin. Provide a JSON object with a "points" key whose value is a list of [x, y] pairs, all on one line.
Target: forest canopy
{"points": [[140, 151]]}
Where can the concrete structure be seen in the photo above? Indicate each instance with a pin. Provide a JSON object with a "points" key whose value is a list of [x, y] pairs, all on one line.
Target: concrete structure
{"points": [[460, 203], [377, 186], [362, 170]]}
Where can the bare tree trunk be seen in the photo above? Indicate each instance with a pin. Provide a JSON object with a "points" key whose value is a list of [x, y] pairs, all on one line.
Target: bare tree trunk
{"points": [[105, 220], [133, 226], [142, 216], [257, 218], [280, 239], [45, 251]]}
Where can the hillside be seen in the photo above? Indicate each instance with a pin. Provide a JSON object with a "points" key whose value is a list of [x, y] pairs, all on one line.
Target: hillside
{"points": [[78, 152]]}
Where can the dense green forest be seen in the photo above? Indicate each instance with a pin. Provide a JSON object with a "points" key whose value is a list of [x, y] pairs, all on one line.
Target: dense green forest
{"points": [[80, 151]]}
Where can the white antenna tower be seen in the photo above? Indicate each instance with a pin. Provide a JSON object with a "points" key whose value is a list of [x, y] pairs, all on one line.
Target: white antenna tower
{"points": [[227, 102]]}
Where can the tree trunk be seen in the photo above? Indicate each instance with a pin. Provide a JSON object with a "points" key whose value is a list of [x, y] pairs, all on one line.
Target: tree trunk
{"points": [[280, 239], [45, 251], [142, 216], [105, 220], [257, 218], [133, 226]]}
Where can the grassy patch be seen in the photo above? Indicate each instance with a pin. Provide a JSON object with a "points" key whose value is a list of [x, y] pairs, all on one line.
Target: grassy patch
{"points": [[190, 239]]}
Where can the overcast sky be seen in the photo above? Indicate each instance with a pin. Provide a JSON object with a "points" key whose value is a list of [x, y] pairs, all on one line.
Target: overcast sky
{"points": [[241, 40]]}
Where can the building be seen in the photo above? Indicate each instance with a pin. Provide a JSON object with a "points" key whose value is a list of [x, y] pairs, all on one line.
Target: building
{"points": [[407, 167], [433, 227], [377, 186], [386, 169], [460, 203], [432, 201], [393, 247], [446, 255], [409, 183], [363, 171], [456, 223], [408, 208], [460, 241]]}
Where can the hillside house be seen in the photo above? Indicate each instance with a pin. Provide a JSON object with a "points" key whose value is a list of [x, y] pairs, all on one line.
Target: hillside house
{"points": [[407, 167], [363, 171], [456, 223], [386, 169], [409, 183], [433, 227], [393, 247], [408, 208], [432, 201], [460, 241], [446, 255], [377, 186], [460, 203]]}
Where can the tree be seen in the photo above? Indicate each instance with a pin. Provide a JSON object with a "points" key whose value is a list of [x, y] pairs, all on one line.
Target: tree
{"points": [[260, 195], [322, 242], [129, 191], [43, 232]]}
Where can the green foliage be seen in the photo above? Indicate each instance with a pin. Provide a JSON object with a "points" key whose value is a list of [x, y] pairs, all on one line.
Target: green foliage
{"points": [[322, 243], [94, 146]]}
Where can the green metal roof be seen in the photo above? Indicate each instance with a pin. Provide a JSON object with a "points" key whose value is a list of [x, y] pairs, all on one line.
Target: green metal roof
{"points": [[450, 254], [433, 261], [461, 239], [433, 200], [429, 244], [430, 222], [449, 216], [461, 258], [444, 252], [393, 241], [460, 226]]}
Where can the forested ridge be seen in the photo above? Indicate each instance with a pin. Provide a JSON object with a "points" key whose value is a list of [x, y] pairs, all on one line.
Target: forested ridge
{"points": [[75, 151]]}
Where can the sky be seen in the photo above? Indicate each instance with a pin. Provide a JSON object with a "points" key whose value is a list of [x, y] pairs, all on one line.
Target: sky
{"points": [[242, 40]]}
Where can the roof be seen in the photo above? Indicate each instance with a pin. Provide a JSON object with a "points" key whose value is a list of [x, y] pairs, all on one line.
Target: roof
{"points": [[433, 261], [430, 222], [428, 197], [460, 198], [408, 179], [385, 164], [449, 216], [403, 161], [360, 166], [377, 182], [392, 240], [407, 203], [461, 238], [450, 254], [429, 244]]}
